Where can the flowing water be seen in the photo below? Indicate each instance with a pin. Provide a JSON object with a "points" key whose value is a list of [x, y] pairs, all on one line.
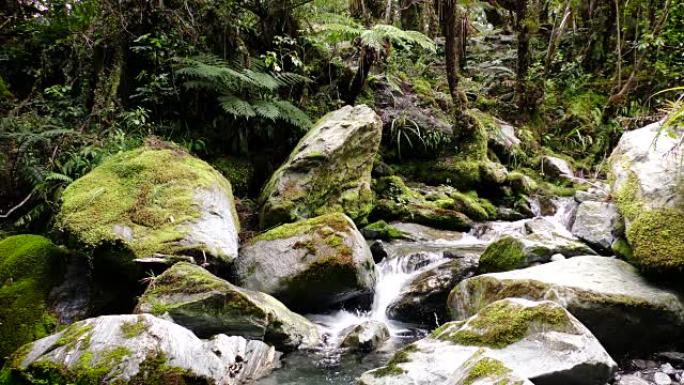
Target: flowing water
{"points": [[328, 365]]}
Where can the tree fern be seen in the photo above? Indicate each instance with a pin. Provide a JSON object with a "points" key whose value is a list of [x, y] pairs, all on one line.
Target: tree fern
{"points": [[244, 93], [377, 36]]}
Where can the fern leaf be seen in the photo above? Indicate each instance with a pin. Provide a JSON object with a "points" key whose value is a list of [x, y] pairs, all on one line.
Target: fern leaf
{"points": [[237, 107]]}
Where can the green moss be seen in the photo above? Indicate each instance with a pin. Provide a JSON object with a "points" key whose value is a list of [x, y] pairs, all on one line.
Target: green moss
{"points": [[392, 368], [30, 266], [133, 329], [655, 236], [504, 254], [335, 221], [382, 230], [76, 334], [503, 323], [622, 249], [485, 368], [149, 190]]}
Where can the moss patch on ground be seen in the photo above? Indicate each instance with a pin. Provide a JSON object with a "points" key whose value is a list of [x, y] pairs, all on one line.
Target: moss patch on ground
{"points": [[504, 254], [503, 323], [30, 266]]}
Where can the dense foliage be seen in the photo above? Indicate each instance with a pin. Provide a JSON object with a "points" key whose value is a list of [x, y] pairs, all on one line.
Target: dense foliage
{"points": [[238, 82]]}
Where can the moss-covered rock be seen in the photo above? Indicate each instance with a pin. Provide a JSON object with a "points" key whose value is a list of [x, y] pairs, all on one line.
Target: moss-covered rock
{"points": [[396, 201], [645, 175], [382, 230], [624, 311], [328, 171], [30, 267], [309, 264], [137, 350], [505, 254], [192, 297], [466, 175], [482, 370], [537, 340], [155, 201]]}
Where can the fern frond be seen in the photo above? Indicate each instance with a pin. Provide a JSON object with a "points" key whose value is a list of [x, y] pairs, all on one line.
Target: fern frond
{"points": [[237, 107], [292, 115], [266, 109]]}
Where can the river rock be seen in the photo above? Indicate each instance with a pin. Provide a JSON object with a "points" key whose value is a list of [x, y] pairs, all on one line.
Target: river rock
{"points": [[557, 168], [328, 171], [364, 337], [156, 203], [597, 223], [309, 265], [535, 242], [422, 300], [537, 340], [137, 349], [194, 298], [646, 170], [623, 310]]}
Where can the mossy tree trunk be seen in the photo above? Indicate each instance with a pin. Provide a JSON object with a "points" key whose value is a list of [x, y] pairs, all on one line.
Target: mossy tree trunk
{"points": [[451, 23], [410, 15]]}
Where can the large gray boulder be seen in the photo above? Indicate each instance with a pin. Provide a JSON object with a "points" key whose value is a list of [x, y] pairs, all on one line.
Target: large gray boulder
{"points": [[646, 171], [328, 171], [139, 349], [598, 223], [537, 340], [423, 299], [198, 300], [557, 168], [158, 203], [309, 265], [624, 311]]}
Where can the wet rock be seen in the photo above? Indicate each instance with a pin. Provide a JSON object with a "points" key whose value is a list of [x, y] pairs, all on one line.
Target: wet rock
{"points": [[660, 378], [623, 310], [557, 168], [365, 337], [198, 300], [379, 251], [309, 265], [329, 170], [598, 223], [382, 230], [674, 357], [598, 192], [156, 203], [422, 300], [139, 349], [536, 340], [646, 170]]}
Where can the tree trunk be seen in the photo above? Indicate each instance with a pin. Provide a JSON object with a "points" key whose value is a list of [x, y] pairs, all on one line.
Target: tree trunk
{"points": [[410, 15], [367, 57], [523, 29], [450, 20]]}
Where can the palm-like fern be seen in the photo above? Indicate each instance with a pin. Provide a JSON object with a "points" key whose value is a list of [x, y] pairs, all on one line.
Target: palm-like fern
{"points": [[376, 37], [244, 92]]}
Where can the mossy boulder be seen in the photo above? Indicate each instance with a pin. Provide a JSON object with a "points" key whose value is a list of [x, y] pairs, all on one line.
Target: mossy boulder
{"points": [[309, 264], [155, 203], [30, 267], [396, 201], [194, 298], [382, 230], [646, 181], [624, 311], [364, 337], [465, 175], [328, 171], [533, 241], [537, 340], [137, 349], [557, 168]]}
